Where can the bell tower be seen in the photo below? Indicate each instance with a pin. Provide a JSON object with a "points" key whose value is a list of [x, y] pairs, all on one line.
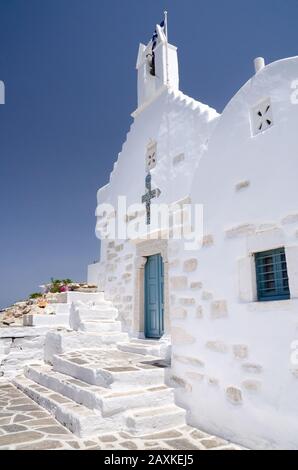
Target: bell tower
{"points": [[157, 67]]}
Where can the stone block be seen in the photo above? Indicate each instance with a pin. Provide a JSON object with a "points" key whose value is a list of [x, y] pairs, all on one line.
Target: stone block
{"points": [[240, 230], [252, 385], [252, 368], [242, 185], [129, 267], [199, 312], [187, 301], [195, 376], [217, 346], [181, 383], [240, 351], [267, 226], [178, 380], [119, 247], [234, 395], [126, 276], [178, 313], [180, 336], [178, 282], [213, 442], [190, 265], [174, 264], [207, 241], [178, 159], [173, 248], [110, 268], [207, 295], [196, 285], [213, 381], [127, 298], [219, 309], [192, 361]]}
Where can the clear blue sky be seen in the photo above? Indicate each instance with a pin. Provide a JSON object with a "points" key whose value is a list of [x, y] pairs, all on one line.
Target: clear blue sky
{"points": [[69, 70]]}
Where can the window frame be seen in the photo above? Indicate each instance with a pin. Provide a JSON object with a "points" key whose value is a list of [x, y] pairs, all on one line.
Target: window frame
{"points": [[281, 293]]}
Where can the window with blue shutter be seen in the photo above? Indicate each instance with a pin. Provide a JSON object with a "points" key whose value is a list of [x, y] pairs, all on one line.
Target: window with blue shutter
{"points": [[272, 275]]}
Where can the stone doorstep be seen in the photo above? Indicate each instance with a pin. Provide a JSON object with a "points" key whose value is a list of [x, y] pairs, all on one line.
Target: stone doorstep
{"points": [[154, 342], [96, 375], [139, 349], [93, 397]]}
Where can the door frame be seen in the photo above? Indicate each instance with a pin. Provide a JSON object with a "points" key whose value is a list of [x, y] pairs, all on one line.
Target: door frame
{"points": [[159, 286], [143, 250]]}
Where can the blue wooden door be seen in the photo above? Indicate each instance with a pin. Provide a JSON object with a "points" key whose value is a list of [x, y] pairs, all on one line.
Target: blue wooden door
{"points": [[154, 297]]}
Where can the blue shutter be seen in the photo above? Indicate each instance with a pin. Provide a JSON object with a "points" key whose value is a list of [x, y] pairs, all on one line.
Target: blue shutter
{"points": [[272, 275]]}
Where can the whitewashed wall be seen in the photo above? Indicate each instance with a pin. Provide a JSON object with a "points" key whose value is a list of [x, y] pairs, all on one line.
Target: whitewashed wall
{"points": [[231, 354], [180, 126]]}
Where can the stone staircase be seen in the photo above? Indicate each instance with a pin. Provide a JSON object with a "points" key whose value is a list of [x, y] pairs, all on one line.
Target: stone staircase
{"points": [[96, 380]]}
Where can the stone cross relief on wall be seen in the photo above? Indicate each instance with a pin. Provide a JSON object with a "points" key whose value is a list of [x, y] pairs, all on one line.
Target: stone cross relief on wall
{"points": [[148, 196], [150, 193]]}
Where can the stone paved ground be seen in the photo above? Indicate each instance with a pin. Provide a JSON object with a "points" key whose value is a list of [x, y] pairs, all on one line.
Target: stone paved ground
{"points": [[26, 426]]}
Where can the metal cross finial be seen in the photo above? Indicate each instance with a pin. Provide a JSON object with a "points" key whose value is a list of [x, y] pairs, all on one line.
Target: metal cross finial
{"points": [[150, 194]]}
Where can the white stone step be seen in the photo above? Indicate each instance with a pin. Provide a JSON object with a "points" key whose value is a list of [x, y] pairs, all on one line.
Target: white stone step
{"points": [[81, 314], [147, 347], [80, 420], [103, 326], [61, 308], [106, 368], [100, 398], [139, 349], [59, 342], [107, 313], [146, 420], [85, 297], [46, 320]]}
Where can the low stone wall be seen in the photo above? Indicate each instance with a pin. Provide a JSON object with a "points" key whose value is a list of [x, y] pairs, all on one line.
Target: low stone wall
{"points": [[19, 346]]}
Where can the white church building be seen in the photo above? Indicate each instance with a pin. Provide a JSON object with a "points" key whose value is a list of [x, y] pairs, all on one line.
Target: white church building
{"points": [[226, 305]]}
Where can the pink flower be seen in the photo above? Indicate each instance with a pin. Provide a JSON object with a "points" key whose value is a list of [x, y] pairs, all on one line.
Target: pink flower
{"points": [[63, 289]]}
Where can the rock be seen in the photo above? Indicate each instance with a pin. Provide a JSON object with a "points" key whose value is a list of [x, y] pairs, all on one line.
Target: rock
{"points": [[178, 282], [190, 265], [26, 310], [240, 351], [234, 395], [180, 336], [8, 321], [217, 346], [219, 309], [18, 314]]}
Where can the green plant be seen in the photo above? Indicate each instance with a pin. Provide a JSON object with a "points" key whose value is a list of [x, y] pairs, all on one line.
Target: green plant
{"points": [[35, 295], [56, 284]]}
